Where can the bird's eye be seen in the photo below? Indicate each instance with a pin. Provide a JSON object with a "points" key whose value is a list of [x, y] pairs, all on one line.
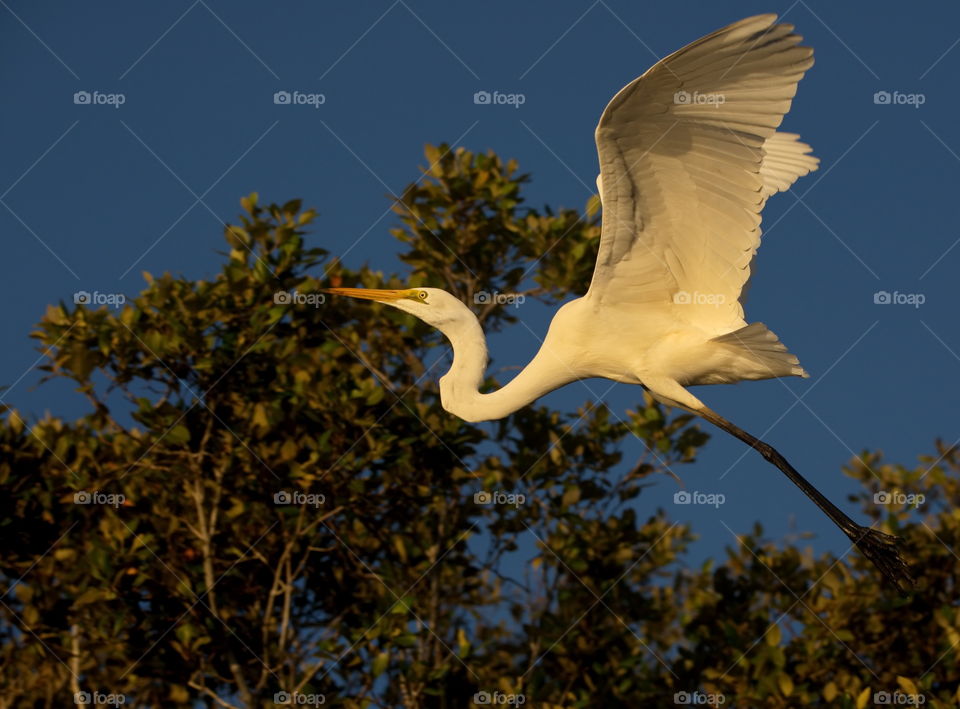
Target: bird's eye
{"points": [[422, 295]]}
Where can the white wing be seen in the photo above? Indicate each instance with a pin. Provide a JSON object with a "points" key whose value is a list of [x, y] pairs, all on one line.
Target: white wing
{"points": [[688, 155], [785, 159]]}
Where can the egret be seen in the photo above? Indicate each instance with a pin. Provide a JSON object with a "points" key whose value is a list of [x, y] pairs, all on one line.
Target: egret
{"points": [[689, 153]]}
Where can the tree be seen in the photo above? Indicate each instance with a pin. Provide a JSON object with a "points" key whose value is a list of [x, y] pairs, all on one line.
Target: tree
{"points": [[267, 500]]}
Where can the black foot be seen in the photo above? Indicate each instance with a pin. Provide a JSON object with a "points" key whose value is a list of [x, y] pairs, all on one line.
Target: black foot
{"points": [[883, 550]]}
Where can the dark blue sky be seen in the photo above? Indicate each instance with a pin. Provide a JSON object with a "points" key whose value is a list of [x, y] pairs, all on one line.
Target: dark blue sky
{"points": [[94, 194]]}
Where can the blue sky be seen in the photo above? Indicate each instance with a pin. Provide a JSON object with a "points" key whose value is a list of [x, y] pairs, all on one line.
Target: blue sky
{"points": [[93, 194]]}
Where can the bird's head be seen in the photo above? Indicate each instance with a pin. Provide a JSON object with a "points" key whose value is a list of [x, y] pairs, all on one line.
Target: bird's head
{"points": [[434, 306]]}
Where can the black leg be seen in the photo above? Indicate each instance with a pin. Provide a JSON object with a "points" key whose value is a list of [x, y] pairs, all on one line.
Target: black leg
{"points": [[882, 549]]}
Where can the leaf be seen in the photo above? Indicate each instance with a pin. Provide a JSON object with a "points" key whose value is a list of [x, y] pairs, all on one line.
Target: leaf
{"points": [[773, 637], [463, 643], [186, 632], [380, 663], [289, 450], [830, 691], [154, 341], [785, 683], [259, 417], [907, 685], [81, 363], [400, 547], [15, 422], [128, 316], [863, 698], [375, 396], [94, 595], [402, 606], [64, 554], [178, 435], [179, 694], [249, 203], [237, 508]]}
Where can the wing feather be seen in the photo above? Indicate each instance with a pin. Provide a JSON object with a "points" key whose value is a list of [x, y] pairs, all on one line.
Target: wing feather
{"points": [[689, 153]]}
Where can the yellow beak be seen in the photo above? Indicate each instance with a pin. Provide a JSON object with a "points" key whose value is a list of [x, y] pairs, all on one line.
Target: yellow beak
{"points": [[369, 293]]}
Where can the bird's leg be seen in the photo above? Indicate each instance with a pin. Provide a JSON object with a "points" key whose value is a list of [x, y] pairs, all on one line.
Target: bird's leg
{"points": [[882, 549]]}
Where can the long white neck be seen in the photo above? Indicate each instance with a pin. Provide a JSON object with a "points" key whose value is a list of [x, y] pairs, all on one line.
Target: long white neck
{"points": [[460, 387]]}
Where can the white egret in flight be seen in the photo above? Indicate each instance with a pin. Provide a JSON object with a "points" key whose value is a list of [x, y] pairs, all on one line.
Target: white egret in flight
{"points": [[689, 153]]}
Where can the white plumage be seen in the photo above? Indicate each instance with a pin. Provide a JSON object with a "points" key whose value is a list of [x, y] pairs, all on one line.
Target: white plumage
{"points": [[689, 153]]}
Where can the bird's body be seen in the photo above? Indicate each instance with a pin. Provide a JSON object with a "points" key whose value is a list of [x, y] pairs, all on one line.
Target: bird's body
{"points": [[628, 345], [689, 154]]}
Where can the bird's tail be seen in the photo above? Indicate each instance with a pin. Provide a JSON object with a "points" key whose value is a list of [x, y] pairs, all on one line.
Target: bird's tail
{"points": [[761, 354]]}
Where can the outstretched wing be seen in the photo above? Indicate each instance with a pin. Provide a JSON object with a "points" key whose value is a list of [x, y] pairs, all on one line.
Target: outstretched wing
{"points": [[688, 155]]}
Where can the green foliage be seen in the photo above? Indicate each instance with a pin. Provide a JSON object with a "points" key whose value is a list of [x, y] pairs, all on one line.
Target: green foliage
{"points": [[187, 581]]}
